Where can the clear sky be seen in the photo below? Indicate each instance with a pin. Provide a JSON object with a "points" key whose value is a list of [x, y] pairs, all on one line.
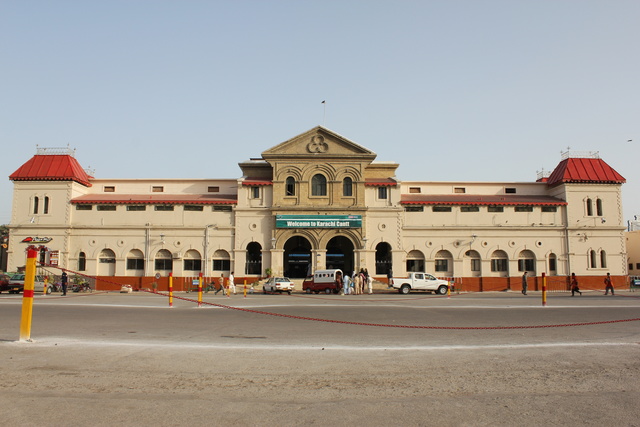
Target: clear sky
{"points": [[451, 90]]}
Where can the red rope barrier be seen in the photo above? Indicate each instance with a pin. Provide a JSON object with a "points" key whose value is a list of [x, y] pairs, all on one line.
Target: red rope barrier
{"points": [[383, 325]]}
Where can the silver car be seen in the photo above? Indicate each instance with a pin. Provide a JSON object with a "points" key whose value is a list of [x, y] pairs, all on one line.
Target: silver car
{"points": [[16, 284], [278, 284]]}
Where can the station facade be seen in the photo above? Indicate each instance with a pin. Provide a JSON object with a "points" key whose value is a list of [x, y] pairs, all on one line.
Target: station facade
{"points": [[319, 201]]}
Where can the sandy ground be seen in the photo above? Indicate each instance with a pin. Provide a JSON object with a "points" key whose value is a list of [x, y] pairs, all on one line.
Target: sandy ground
{"points": [[71, 384], [58, 380]]}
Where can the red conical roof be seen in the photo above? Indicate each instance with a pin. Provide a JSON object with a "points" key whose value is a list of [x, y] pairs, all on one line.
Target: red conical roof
{"points": [[52, 167], [584, 170]]}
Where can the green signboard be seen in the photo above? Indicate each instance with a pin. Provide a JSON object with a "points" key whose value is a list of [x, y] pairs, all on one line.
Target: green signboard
{"points": [[318, 221]]}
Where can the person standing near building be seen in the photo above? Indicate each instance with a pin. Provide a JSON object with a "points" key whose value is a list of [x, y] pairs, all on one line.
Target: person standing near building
{"points": [[339, 282], [232, 285], [390, 278], [369, 282], [363, 280], [63, 281], [524, 283], [357, 280], [574, 285], [347, 284], [608, 286]]}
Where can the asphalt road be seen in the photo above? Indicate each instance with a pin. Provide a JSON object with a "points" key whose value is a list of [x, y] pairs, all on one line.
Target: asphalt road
{"points": [[383, 359]]}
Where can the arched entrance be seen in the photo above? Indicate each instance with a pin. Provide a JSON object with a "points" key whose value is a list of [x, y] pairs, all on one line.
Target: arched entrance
{"points": [[340, 254], [383, 258], [253, 264], [297, 257]]}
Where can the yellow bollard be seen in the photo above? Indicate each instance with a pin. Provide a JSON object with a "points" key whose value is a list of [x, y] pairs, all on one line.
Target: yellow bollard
{"points": [[245, 288], [544, 290], [27, 296], [170, 289], [449, 290], [200, 290]]}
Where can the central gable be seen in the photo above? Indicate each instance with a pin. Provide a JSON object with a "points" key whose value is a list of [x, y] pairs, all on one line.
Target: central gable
{"points": [[318, 142]]}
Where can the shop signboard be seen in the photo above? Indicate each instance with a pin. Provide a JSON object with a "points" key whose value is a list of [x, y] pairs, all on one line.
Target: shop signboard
{"points": [[318, 221], [54, 256]]}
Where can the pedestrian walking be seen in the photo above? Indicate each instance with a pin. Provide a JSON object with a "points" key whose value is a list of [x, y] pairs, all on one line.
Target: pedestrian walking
{"points": [[221, 284], [369, 282], [524, 283], [574, 285], [63, 281], [608, 286], [347, 284], [390, 278]]}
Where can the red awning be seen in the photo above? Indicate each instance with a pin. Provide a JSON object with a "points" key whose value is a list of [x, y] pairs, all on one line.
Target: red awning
{"points": [[256, 181], [380, 182]]}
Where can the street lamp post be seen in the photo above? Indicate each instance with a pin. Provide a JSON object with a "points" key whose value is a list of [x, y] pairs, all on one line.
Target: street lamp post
{"points": [[205, 265]]}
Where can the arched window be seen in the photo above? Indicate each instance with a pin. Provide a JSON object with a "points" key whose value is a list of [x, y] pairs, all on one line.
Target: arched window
{"points": [[592, 259], [444, 263], [599, 207], [135, 262], [500, 263], [254, 259], [36, 201], [106, 263], [603, 259], [192, 261], [347, 187], [163, 261], [474, 262], [290, 185], [319, 185], [553, 264], [415, 261], [221, 260], [46, 205], [589, 207], [527, 261], [107, 256], [82, 261]]}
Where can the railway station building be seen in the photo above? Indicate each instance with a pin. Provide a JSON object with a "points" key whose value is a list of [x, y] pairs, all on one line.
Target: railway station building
{"points": [[316, 201]]}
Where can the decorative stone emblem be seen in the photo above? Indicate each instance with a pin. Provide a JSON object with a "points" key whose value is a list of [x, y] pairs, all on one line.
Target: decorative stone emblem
{"points": [[317, 145]]}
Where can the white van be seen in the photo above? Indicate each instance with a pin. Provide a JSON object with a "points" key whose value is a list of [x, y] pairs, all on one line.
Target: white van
{"points": [[323, 281]]}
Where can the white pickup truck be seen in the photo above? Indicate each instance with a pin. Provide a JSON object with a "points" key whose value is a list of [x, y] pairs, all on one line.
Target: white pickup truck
{"points": [[420, 282]]}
